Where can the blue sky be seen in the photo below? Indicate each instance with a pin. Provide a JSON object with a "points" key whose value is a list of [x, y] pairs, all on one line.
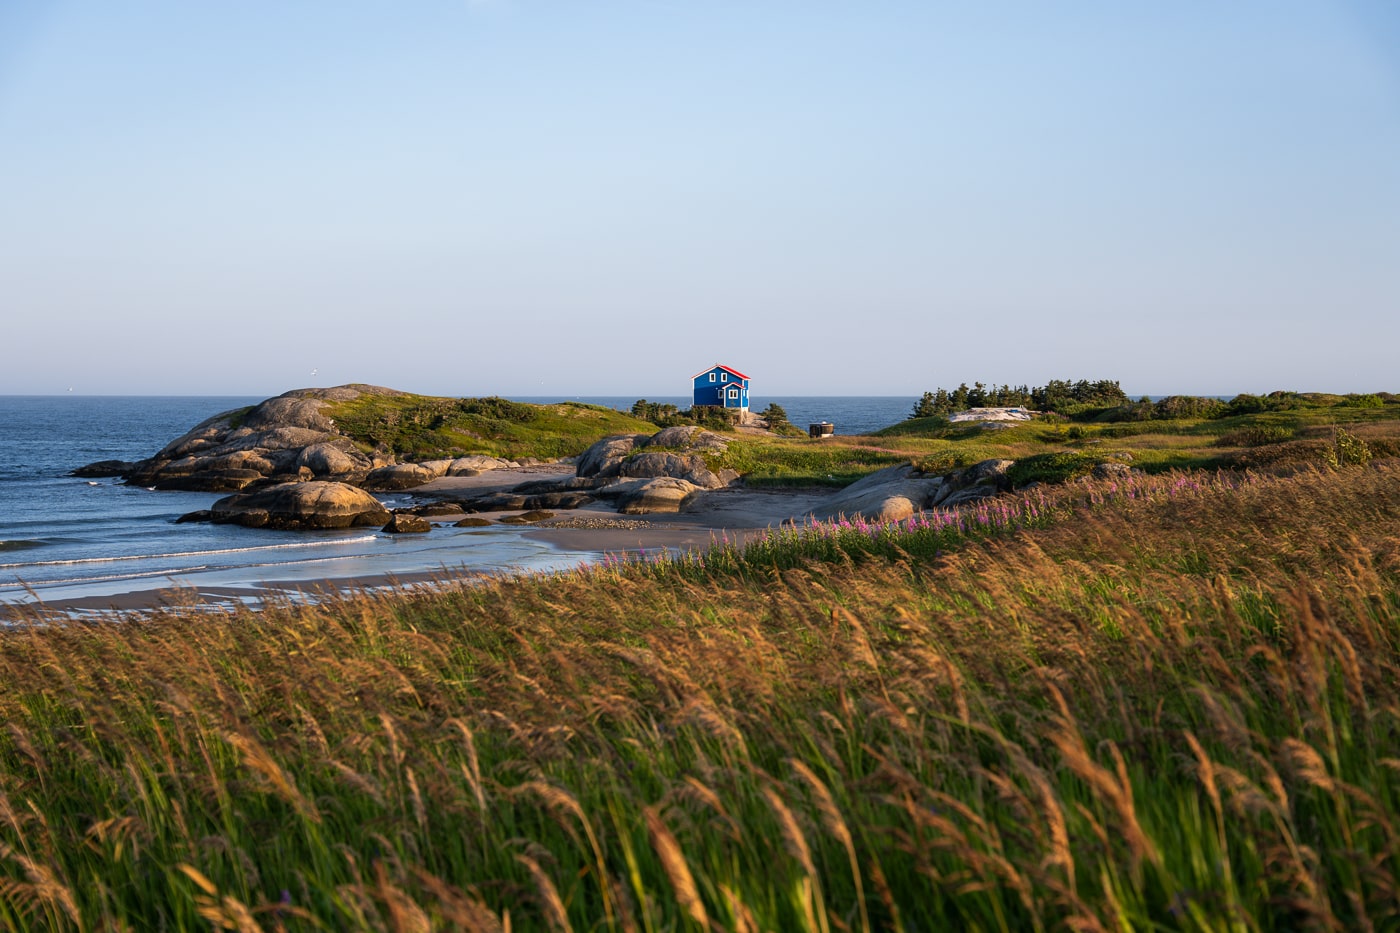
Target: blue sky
{"points": [[581, 198]]}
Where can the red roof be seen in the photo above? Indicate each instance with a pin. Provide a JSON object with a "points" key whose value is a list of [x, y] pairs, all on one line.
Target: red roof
{"points": [[732, 372]]}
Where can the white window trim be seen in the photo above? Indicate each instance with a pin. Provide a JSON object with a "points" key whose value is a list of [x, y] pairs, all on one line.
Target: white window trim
{"points": [[733, 393], [724, 377], [712, 377]]}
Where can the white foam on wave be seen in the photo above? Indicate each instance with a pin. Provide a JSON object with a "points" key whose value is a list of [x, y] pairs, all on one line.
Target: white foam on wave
{"points": [[181, 554]]}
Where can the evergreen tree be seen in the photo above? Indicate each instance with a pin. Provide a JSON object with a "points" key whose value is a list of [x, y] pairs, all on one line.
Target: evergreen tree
{"points": [[775, 416], [924, 407]]}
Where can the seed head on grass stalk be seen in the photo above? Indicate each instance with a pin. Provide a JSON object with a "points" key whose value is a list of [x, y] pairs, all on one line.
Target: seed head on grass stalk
{"points": [[668, 850]]}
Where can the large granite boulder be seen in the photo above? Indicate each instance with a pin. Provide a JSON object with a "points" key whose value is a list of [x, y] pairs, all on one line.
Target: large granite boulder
{"points": [[312, 505], [406, 523], [476, 463], [892, 494], [680, 466], [398, 476], [330, 458], [605, 457], [661, 494]]}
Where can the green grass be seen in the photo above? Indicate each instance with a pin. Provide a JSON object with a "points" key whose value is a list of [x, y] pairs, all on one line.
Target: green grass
{"points": [[418, 427], [765, 461], [1270, 439], [1170, 710]]}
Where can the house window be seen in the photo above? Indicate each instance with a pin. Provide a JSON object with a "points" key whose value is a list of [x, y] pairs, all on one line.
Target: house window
{"points": [[712, 377], [724, 377], [733, 393]]}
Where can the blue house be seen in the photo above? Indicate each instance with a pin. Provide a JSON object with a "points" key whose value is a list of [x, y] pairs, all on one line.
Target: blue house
{"points": [[722, 387]]}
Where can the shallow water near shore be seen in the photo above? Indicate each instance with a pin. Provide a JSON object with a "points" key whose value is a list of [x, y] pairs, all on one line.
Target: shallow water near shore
{"points": [[64, 538]]}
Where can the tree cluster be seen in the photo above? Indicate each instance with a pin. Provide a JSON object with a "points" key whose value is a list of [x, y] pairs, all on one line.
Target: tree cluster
{"points": [[1058, 395], [665, 415]]}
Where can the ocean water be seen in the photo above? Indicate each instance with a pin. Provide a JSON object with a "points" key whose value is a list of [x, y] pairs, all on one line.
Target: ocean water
{"points": [[62, 537]]}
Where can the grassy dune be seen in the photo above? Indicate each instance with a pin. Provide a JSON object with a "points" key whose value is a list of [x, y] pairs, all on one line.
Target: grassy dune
{"points": [[1168, 705]]}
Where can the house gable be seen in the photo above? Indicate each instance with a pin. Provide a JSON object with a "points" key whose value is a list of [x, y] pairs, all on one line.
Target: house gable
{"points": [[716, 371], [721, 386]]}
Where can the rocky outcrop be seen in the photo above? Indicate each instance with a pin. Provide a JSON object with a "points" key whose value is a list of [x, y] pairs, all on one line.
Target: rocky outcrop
{"points": [[896, 493], [309, 505], [282, 439], [993, 415], [672, 452]]}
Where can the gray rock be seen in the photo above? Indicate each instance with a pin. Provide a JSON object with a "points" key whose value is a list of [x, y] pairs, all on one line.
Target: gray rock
{"points": [[970, 494], [679, 466], [987, 472], [526, 518], [302, 506], [436, 467], [329, 458], [558, 500], [494, 502], [212, 481], [662, 494], [474, 464], [1111, 470], [277, 438], [398, 476], [288, 411], [105, 468], [687, 438], [404, 523], [605, 457], [436, 509], [892, 494]]}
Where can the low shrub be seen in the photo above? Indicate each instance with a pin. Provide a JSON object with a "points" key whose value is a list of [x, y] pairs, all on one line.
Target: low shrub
{"points": [[1051, 468], [1277, 456], [1346, 450], [1256, 435]]}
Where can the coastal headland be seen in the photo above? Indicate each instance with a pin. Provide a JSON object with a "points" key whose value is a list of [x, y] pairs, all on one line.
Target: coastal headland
{"points": [[598, 481]]}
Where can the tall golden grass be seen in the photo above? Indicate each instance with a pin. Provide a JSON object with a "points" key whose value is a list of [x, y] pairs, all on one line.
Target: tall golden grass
{"points": [[1175, 713]]}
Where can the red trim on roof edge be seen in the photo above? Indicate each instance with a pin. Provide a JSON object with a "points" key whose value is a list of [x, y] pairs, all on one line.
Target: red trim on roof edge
{"points": [[734, 372]]}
